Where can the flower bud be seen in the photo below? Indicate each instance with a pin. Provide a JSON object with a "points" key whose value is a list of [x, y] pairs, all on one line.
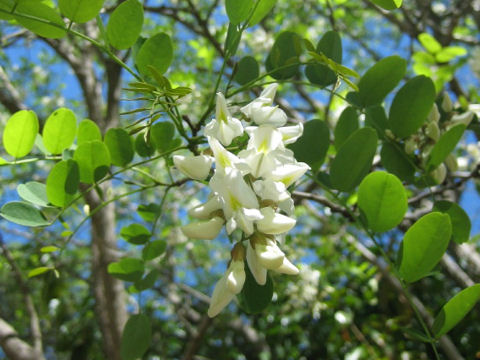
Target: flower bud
{"points": [[465, 118], [451, 162], [434, 114], [447, 105], [195, 167], [439, 174], [432, 131], [205, 230], [410, 146], [204, 211], [274, 223]]}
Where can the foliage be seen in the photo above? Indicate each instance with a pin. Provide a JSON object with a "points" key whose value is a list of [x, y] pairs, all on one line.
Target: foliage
{"points": [[383, 216]]}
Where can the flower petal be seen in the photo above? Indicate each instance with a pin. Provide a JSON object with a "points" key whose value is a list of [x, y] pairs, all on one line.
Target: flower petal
{"points": [[205, 230], [221, 297], [274, 223], [195, 167], [258, 271]]}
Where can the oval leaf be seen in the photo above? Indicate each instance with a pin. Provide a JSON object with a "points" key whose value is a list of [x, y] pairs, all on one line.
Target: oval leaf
{"points": [[354, 159], [59, 130], [424, 245], [127, 269], [62, 182], [247, 70], [238, 10], [331, 46], [161, 136], [23, 213], [120, 146], [153, 250], [312, 146], [388, 4], [461, 224], [128, 15], [142, 148], [39, 10], [455, 310], [33, 192], [262, 9], [445, 146], [135, 234], [285, 51], [80, 11], [383, 200], [380, 79], [93, 161], [255, 298], [347, 124], [136, 337], [157, 52], [20, 132], [411, 106], [397, 162], [39, 271], [88, 131]]}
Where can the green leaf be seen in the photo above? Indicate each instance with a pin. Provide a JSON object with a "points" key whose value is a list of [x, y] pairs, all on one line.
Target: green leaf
{"points": [[135, 234], [396, 162], [24, 214], [232, 40], [59, 130], [33, 192], [136, 337], [449, 53], [285, 51], [263, 8], [88, 131], [7, 5], [380, 79], [20, 132], [354, 159], [39, 10], [247, 70], [238, 10], [38, 271], [445, 146], [429, 43], [312, 146], [376, 118], [388, 4], [128, 15], [62, 182], [424, 245], [49, 249], [383, 200], [127, 269], [461, 224], [147, 282], [411, 106], [455, 310], [161, 136], [157, 52], [80, 11], [255, 298], [347, 124], [93, 161], [329, 45], [120, 146], [149, 212], [153, 250], [142, 148]]}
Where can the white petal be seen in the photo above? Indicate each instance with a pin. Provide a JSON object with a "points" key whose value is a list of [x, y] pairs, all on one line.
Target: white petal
{"points": [[236, 276], [287, 268], [269, 256], [221, 297], [289, 173], [290, 134], [271, 190], [269, 92], [205, 230], [274, 223], [203, 211], [265, 138], [195, 167], [257, 270]]}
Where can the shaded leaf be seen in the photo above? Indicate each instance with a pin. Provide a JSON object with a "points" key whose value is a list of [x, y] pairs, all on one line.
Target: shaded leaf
{"points": [[238, 10], [255, 298], [461, 224], [127, 269], [154, 249], [120, 146], [247, 70], [33, 192], [135, 234], [62, 182], [285, 51], [262, 9], [93, 161], [136, 337], [23, 213], [445, 146], [347, 124]]}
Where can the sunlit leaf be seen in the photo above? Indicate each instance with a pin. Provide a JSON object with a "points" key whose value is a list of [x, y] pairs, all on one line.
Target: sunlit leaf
{"points": [[59, 130], [20, 133]]}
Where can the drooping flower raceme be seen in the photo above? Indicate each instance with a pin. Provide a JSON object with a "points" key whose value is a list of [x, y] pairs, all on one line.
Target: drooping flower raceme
{"points": [[249, 191]]}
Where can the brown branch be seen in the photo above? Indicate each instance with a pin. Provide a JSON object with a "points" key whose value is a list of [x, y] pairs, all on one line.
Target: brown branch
{"points": [[14, 347], [32, 313], [324, 201], [196, 341], [9, 96]]}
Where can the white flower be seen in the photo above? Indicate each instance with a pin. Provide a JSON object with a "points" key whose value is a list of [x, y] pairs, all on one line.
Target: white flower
{"points": [[274, 223], [224, 127], [204, 230], [261, 112], [258, 271], [290, 134], [195, 167], [240, 204], [289, 173], [275, 191], [221, 297], [204, 211], [225, 159]]}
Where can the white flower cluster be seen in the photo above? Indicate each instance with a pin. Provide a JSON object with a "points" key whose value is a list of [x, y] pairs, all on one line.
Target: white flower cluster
{"points": [[249, 191]]}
